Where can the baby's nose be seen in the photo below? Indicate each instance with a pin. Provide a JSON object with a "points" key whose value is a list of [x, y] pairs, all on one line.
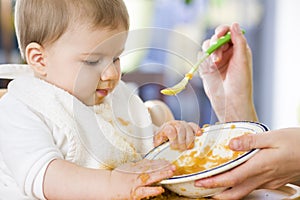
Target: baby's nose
{"points": [[111, 72]]}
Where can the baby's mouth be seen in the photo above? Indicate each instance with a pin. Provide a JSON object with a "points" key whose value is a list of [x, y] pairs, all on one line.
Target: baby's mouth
{"points": [[102, 92]]}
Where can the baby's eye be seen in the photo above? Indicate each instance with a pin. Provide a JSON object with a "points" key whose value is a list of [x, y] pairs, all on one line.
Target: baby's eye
{"points": [[116, 59], [91, 62]]}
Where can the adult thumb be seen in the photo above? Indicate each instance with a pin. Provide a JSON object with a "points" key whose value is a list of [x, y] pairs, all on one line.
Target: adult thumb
{"points": [[250, 141]]}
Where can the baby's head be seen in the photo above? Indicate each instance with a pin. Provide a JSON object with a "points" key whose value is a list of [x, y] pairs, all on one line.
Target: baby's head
{"points": [[74, 44], [44, 21]]}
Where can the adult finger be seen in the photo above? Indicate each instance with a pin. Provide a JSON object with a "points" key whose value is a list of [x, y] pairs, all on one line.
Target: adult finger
{"points": [[239, 191], [207, 66], [205, 45], [225, 47], [216, 56], [251, 141], [222, 30], [225, 57], [239, 41], [213, 40]]}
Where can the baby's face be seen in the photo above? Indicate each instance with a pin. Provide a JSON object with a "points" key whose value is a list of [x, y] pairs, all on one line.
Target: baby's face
{"points": [[86, 62]]}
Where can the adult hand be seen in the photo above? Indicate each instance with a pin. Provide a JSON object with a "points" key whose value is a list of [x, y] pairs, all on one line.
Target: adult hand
{"points": [[227, 76], [276, 164], [181, 134]]}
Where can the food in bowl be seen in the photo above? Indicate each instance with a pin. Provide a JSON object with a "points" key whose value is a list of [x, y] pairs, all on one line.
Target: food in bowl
{"points": [[210, 156]]}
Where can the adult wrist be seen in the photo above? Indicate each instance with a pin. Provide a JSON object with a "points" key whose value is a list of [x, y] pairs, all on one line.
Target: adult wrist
{"points": [[235, 109]]}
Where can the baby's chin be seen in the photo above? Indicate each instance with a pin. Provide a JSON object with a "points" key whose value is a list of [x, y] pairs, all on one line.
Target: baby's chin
{"points": [[94, 101], [99, 99]]}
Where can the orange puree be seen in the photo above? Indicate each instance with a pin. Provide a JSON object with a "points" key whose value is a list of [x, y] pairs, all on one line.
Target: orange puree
{"points": [[189, 76], [197, 162], [144, 178]]}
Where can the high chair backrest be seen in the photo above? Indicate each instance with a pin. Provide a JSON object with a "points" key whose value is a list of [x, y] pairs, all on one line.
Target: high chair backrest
{"points": [[2, 92], [11, 71]]}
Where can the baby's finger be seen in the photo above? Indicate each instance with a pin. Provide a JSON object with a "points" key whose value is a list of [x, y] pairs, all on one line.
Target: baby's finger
{"points": [[145, 192], [197, 130], [181, 135], [159, 138], [190, 138], [171, 134], [154, 177]]}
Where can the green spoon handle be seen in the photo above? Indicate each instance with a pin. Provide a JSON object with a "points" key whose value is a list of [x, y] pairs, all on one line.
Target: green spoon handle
{"points": [[221, 41]]}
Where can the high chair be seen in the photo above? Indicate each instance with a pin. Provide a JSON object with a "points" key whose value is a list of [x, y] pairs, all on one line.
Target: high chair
{"points": [[159, 112], [11, 71], [2, 92]]}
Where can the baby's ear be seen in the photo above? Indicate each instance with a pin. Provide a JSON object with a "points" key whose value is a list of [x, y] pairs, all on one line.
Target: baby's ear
{"points": [[35, 58]]}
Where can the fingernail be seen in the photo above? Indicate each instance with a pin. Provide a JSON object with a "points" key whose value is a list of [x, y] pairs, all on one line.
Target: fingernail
{"points": [[173, 167], [237, 28], [215, 58], [199, 132], [170, 173], [191, 145]]}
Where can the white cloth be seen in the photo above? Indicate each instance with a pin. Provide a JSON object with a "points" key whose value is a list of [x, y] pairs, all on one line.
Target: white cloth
{"points": [[40, 122], [12, 71]]}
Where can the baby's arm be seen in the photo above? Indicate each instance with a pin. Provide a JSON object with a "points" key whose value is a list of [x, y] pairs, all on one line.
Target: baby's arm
{"points": [[65, 180], [159, 112]]}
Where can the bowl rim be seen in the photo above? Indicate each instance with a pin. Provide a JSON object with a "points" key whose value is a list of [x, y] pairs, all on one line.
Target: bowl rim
{"points": [[215, 170]]}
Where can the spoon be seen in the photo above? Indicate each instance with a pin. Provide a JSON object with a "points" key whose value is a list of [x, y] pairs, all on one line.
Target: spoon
{"points": [[188, 76]]}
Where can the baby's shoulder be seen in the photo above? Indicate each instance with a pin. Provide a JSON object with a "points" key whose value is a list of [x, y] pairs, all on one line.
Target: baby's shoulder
{"points": [[13, 109]]}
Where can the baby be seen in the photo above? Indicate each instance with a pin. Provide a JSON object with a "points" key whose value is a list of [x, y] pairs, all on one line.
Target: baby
{"points": [[73, 130]]}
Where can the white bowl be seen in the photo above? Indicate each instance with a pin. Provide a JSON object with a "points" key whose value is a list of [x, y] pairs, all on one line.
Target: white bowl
{"points": [[211, 147]]}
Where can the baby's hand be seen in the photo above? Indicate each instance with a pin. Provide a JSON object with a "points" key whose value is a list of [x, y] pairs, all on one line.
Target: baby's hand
{"points": [[181, 134], [134, 180]]}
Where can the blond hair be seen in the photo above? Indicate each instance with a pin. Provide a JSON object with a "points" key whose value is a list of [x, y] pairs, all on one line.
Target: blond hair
{"points": [[44, 21]]}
